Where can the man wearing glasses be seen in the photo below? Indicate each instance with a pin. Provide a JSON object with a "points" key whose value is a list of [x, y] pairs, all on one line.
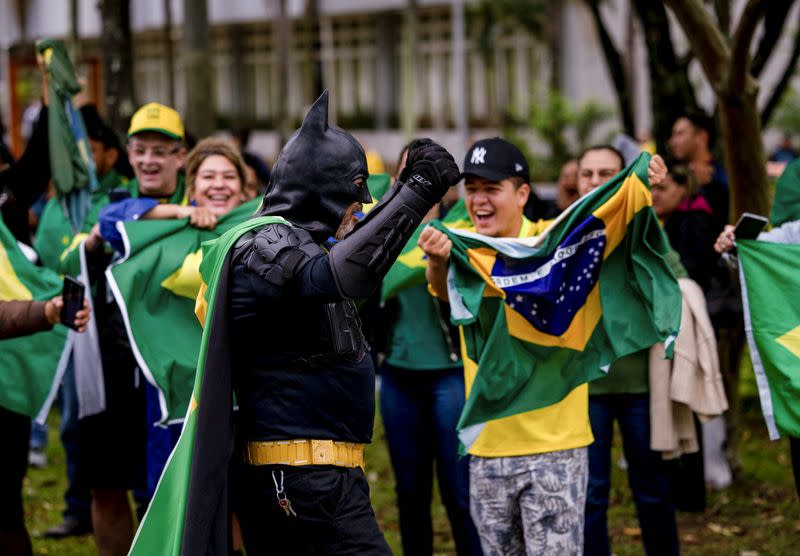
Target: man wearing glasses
{"points": [[113, 443]]}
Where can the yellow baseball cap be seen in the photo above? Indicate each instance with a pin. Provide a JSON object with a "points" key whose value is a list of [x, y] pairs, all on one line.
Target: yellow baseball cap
{"points": [[159, 118]]}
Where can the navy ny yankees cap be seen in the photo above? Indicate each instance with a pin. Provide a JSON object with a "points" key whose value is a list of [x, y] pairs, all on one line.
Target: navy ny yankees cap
{"points": [[495, 159]]}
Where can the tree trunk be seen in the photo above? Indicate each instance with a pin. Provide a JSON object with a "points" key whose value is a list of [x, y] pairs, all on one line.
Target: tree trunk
{"points": [[199, 112], [281, 46], [117, 50], [459, 65], [616, 68], [745, 159], [671, 92], [314, 47], [169, 52], [74, 35], [408, 72], [555, 30]]}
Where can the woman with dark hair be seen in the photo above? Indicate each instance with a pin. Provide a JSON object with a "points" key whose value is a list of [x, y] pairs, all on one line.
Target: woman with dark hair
{"points": [[688, 222]]}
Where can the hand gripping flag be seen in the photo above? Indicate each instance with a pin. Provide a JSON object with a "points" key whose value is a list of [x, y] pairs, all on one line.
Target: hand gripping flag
{"points": [[543, 315], [770, 286], [188, 513], [155, 285], [31, 366]]}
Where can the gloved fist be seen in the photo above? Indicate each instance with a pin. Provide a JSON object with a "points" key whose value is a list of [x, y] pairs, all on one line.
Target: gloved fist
{"points": [[431, 169]]}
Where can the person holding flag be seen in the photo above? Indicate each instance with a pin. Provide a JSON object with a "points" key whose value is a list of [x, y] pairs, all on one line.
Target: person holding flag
{"points": [[55, 236], [32, 359], [527, 357], [768, 275], [624, 396], [112, 442]]}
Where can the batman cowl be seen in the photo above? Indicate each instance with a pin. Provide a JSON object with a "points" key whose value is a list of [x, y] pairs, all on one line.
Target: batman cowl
{"points": [[312, 180]]}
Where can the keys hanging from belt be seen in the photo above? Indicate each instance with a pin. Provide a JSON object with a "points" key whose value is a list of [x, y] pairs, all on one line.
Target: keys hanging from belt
{"points": [[283, 501]]}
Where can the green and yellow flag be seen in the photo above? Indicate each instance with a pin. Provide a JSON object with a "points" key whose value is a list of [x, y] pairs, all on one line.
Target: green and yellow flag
{"points": [[543, 315], [188, 514], [70, 152], [770, 277], [155, 285], [786, 206], [31, 366]]}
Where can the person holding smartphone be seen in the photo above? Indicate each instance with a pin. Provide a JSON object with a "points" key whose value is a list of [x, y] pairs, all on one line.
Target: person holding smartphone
{"points": [[22, 318]]}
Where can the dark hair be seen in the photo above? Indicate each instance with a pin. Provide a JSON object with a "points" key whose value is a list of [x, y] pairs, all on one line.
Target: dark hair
{"points": [[517, 181], [259, 167], [603, 147], [683, 176], [701, 121]]}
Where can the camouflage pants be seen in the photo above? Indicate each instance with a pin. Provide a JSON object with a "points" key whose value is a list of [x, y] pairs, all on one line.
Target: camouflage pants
{"points": [[530, 505]]}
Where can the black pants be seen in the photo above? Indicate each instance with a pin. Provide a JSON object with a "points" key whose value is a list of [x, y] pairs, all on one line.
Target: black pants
{"points": [[334, 515], [13, 465], [794, 448], [16, 429]]}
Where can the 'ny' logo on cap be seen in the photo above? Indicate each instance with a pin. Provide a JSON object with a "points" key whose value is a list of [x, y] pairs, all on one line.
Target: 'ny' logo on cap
{"points": [[478, 156]]}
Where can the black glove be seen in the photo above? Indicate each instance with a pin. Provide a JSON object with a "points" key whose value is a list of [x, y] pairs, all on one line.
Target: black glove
{"points": [[430, 170]]}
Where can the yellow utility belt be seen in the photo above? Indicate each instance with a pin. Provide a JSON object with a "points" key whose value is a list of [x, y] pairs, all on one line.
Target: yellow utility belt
{"points": [[305, 452]]}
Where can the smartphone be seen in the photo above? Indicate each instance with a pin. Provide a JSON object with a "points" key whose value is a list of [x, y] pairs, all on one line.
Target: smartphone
{"points": [[749, 226], [72, 295]]}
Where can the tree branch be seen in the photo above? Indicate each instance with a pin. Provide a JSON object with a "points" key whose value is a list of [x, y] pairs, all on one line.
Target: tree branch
{"points": [[774, 22], [723, 9], [780, 87], [616, 68], [705, 38], [740, 45]]}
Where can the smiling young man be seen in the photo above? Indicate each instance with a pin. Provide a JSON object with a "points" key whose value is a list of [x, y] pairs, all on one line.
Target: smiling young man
{"points": [[528, 472]]}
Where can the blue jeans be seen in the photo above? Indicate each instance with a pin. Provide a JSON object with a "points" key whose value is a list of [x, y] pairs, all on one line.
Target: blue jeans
{"points": [[38, 436], [77, 497], [648, 481], [420, 410], [160, 441]]}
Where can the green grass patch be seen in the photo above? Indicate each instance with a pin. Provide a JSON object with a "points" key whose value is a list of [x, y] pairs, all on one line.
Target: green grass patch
{"points": [[759, 514]]}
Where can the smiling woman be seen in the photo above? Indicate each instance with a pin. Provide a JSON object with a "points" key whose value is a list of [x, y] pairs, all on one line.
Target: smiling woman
{"points": [[215, 173]]}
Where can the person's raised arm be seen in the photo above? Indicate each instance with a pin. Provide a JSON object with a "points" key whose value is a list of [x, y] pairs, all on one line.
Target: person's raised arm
{"points": [[437, 246]]}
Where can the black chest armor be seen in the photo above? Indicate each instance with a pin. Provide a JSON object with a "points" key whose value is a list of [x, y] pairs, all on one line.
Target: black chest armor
{"points": [[300, 363]]}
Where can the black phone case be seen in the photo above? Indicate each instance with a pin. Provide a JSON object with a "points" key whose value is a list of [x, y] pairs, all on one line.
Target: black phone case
{"points": [[72, 295]]}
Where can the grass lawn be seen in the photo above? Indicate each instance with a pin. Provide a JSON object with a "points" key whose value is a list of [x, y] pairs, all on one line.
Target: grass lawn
{"points": [[758, 515]]}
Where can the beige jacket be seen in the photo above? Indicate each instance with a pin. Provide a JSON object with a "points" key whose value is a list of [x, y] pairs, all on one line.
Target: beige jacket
{"points": [[690, 383]]}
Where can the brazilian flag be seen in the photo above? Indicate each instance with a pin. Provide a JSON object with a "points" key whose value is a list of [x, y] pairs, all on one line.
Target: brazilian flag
{"points": [[155, 285], [71, 158], [31, 366], [188, 513], [786, 206], [544, 315], [770, 286]]}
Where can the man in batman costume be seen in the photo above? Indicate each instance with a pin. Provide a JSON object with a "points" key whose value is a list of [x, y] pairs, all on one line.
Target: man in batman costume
{"points": [[300, 370]]}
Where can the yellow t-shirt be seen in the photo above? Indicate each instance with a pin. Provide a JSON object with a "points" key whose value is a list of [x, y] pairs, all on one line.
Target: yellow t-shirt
{"points": [[561, 426]]}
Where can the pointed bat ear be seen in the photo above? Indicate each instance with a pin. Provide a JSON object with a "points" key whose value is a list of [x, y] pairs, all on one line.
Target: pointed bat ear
{"points": [[317, 118]]}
